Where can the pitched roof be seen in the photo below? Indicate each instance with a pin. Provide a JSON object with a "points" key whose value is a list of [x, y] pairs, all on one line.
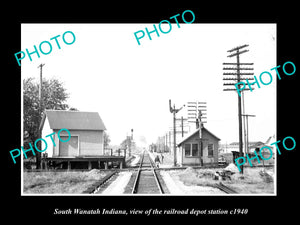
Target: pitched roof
{"points": [[196, 131], [73, 120]]}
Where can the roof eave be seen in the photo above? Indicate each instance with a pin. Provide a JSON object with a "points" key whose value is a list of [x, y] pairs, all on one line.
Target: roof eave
{"points": [[183, 140]]}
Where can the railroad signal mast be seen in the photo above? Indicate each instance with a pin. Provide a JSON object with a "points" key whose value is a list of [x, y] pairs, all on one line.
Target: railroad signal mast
{"points": [[174, 111], [235, 77]]}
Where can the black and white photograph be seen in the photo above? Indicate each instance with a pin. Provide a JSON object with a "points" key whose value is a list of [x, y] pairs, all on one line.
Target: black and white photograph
{"points": [[158, 117], [131, 111]]}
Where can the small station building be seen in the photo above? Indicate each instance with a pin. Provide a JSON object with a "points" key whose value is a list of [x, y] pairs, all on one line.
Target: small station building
{"points": [[199, 148], [84, 150]]}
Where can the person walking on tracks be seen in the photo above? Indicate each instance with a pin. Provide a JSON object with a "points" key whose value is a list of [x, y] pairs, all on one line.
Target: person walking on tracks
{"points": [[162, 158], [157, 161]]}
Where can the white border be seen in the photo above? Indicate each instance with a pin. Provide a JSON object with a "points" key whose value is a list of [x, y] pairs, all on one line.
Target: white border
{"points": [[275, 163]]}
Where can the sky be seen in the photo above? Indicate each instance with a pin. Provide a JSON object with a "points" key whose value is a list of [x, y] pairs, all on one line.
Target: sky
{"points": [[129, 85]]}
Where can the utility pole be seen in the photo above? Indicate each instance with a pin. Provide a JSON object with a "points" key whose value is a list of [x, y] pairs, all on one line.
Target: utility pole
{"points": [[181, 126], [166, 142], [41, 81], [244, 123], [174, 111], [193, 109], [170, 141], [199, 125], [247, 137], [237, 77], [38, 154], [129, 145]]}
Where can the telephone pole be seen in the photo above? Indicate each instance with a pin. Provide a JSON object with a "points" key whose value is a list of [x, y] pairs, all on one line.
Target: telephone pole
{"points": [[174, 111], [247, 136], [182, 126], [199, 125], [237, 77], [40, 88], [193, 110], [38, 154]]}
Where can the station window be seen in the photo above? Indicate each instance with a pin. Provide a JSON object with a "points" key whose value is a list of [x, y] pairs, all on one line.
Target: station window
{"points": [[187, 149], [210, 149], [194, 149], [191, 150]]}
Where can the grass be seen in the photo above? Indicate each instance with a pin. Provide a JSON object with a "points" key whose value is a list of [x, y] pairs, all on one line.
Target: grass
{"points": [[251, 182], [194, 177], [59, 182], [248, 183]]}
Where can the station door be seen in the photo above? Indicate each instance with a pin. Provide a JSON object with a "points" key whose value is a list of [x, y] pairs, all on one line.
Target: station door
{"points": [[70, 148]]}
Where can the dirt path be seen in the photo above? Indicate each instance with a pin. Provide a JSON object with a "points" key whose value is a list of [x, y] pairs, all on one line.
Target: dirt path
{"points": [[117, 187], [177, 187]]}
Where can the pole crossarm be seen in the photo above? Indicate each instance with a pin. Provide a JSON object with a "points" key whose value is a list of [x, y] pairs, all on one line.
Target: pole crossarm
{"points": [[203, 117], [235, 68], [243, 78], [248, 115], [238, 53], [238, 48], [196, 103], [194, 110], [249, 64], [233, 89], [237, 73], [195, 114], [229, 83]]}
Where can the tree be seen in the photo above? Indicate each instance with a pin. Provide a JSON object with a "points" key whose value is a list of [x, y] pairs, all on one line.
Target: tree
{"points": [[54, 96], [106, 139]]}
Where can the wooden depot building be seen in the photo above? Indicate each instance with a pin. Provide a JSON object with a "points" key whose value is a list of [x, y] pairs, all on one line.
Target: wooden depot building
{"points": [[198, 149], [85, 149]]}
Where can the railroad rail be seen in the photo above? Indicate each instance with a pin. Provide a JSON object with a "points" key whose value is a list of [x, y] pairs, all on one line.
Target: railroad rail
{"points": [[97, 185], [146, 180], [226, 189]]}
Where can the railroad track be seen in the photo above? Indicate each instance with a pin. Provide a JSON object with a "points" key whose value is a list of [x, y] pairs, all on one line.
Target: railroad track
{"points": [[147, 180], [96, 186], [226, 189]]}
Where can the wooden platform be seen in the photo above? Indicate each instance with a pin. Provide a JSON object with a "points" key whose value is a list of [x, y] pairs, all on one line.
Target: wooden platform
{"points": [[99, 160]]}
